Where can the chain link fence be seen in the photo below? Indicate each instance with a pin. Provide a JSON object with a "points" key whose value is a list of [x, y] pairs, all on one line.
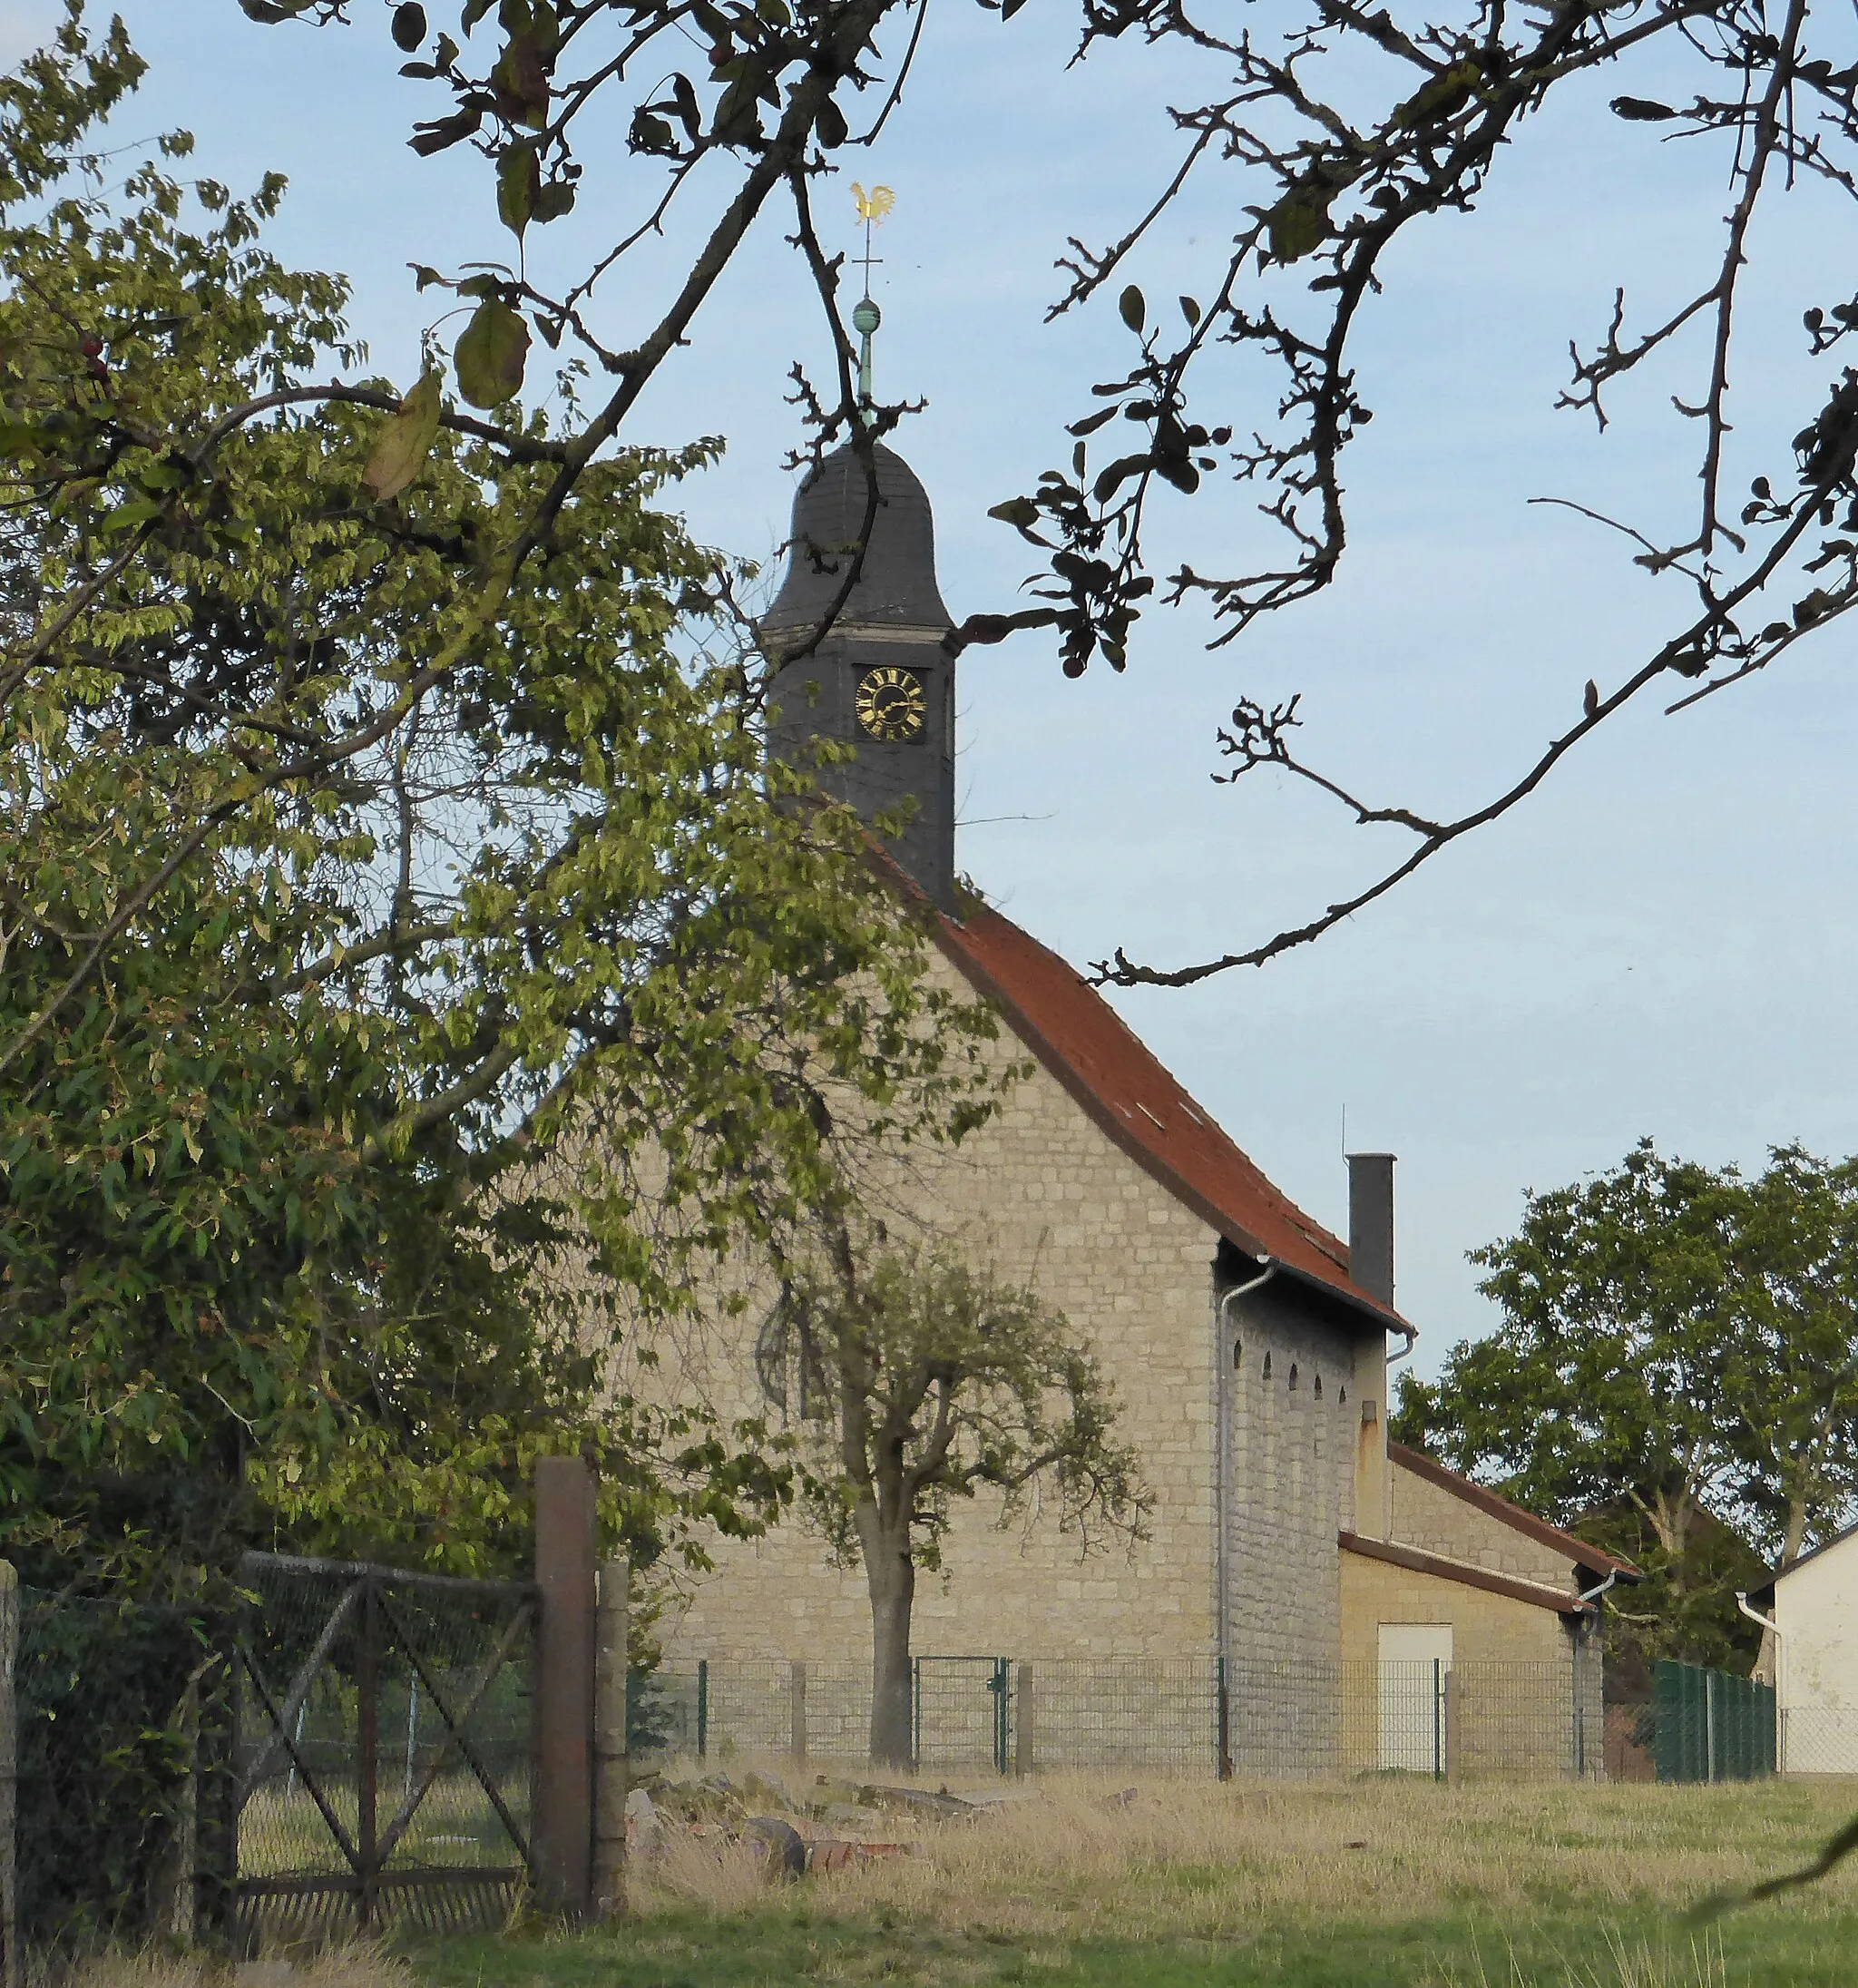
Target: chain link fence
{"points": [[1818, 1740], [1007, 1714]]}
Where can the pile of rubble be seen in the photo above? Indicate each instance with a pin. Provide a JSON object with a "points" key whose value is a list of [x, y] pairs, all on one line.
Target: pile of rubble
{"points": [[822, 1823]]}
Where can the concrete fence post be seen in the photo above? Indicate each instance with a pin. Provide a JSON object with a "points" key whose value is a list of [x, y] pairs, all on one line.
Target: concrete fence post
{"points": [[562, 1828], [611, 1769], [1022, 1721], [1454, 1707], [11, 1969], [797, 1713]]}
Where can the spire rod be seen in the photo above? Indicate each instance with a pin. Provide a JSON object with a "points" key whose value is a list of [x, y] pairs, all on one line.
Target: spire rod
{"points": [[866, 317]]}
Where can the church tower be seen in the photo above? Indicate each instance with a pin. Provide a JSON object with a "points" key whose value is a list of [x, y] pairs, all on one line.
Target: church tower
{"points": [[881, 681]]}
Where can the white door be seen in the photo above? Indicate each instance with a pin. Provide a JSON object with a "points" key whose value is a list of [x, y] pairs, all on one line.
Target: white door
{"points": [[1414, 1660]]}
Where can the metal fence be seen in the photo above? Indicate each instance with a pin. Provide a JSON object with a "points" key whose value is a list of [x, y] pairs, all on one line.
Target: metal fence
{"points": [[1818, 1740], [1711, 1725], [1168, 1715], [385, 1742]]}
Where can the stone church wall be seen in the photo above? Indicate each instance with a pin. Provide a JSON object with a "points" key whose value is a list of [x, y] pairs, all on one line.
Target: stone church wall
{"points": [[1053, 1201], [1295, 1414]]}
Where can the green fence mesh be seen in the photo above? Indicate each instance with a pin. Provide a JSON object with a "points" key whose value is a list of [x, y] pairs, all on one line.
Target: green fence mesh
{"points": [[1711, 1725]]}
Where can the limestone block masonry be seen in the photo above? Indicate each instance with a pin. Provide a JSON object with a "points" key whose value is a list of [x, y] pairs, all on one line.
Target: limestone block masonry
{"points": [[1295, 1408], [1427, 1515], [1048, 1197]]}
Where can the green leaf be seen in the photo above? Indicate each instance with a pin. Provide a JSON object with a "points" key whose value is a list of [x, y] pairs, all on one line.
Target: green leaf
{"points": [[475, 11], [1118, 473], [1133, 308], [1190, 310], [409, 25], [1017, 511], [1295, 226], [552, 201], [401, 448], [490, 355], [1446, 94], [126, 518], [519, 179], [521, 82], [830, 125]]}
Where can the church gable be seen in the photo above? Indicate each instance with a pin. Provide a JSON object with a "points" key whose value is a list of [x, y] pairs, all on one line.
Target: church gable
{"points": [[1043, 1196], [1118, 1081]]}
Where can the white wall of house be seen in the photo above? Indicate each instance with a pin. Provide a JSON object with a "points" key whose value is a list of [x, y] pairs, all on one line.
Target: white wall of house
{"points": [[1816, 1614]]}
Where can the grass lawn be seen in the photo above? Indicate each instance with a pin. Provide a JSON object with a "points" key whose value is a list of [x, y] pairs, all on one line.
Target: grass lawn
{"points": [[1378, 1882]]}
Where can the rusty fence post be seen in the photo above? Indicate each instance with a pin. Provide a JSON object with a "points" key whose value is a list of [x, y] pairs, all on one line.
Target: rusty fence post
{"points": [[611, 1769], [10, 1960], [561, 1830]]}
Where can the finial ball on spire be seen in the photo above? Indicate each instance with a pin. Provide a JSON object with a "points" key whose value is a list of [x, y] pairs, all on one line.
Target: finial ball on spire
{"points": [[867, 318]]}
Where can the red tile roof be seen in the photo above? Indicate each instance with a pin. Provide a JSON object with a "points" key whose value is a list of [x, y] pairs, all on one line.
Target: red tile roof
{"points": [[1578, 1551], [1079, 1038]]}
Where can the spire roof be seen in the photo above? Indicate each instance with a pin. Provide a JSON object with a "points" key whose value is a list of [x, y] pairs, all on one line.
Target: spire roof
{"points": [[897, 584]]}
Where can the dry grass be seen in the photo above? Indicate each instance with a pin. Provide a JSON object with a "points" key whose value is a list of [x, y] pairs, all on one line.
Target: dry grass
{"points": [[1082, 1856], [1086, 1883]]}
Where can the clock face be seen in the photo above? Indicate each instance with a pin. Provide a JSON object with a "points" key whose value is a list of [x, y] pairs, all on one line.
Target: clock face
{"points": [[892, 703]]}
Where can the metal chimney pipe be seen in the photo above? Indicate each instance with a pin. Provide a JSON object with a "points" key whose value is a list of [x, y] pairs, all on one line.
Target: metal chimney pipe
{"points": [[1371, 1224]]}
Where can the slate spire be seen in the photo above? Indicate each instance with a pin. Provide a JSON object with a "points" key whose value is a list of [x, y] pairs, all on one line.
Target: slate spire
{"points": [[880, 681]]}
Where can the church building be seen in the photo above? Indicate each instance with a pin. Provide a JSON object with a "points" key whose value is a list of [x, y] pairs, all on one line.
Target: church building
{"points": [[1323, 1582]]}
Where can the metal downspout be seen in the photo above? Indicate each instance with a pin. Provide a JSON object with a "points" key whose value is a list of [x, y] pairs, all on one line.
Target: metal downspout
{"points": [[1586, 1597]]}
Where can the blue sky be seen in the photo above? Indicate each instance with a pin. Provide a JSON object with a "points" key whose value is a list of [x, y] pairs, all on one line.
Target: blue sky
{"points": [[1660, 942]]}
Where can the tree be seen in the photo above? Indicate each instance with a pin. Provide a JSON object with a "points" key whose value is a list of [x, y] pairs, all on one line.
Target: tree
{"points": [[1677, 1371], [359, 879], [1351, 136], [1790, 1381], [926, 1381]]}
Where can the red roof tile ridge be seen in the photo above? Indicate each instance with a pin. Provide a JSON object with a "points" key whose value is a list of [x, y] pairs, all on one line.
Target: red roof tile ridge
{"points": [[1082, 1040], [1500, 1507]]}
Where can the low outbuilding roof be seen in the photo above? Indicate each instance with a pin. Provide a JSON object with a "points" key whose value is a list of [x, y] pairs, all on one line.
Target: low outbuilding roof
{"points": [[1581, 1553]]}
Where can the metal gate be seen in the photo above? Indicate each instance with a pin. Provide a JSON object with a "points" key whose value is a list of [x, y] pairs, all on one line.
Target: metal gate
{"points": [[384, 1737], [961, 1713]]}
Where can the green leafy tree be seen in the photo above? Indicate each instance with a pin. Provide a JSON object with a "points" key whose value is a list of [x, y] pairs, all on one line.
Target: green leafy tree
{"points": [[926, 1381], [1674, 1378], [396, 903], [1790, 1361]]}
